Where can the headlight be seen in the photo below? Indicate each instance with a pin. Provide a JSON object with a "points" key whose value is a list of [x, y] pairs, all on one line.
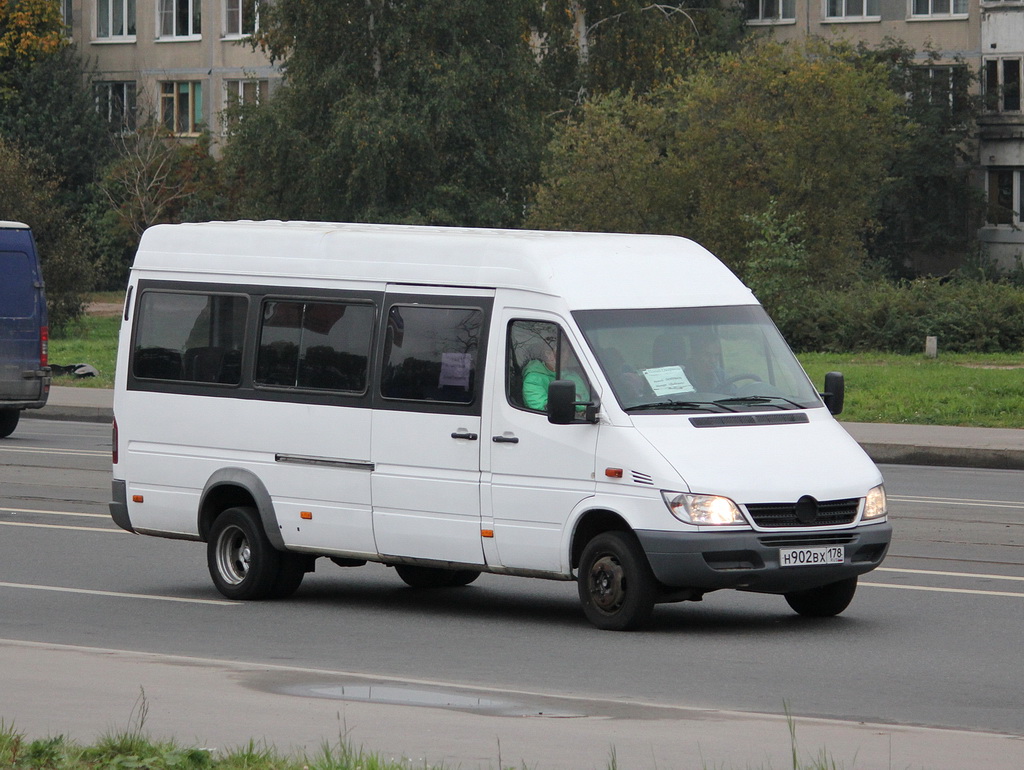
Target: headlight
{"points": [[703, 509], [874, 503]]}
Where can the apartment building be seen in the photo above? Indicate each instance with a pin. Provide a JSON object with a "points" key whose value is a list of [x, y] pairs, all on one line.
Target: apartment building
{"points": [[180, 62], [986, 35]]}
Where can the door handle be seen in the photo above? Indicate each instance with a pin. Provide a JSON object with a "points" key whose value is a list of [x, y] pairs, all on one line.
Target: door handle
{"points": [[466, 436], [505, 439]]}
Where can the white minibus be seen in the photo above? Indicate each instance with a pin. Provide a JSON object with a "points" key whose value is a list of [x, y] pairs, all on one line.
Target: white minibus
{"points": [[616, 410]]}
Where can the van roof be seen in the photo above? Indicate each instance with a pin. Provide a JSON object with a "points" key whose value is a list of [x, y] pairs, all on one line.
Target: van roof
{"points": [[590, 270], [13, 225]]}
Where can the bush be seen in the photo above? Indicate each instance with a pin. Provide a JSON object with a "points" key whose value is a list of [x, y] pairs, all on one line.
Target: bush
{"points": [[965, 316]]}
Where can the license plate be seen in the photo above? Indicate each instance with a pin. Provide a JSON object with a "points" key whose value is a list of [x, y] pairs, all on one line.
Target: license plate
{"points": [[809, 557]]}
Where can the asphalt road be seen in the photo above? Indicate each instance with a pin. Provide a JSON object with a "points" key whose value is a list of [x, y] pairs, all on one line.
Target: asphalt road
{"points": [[933, 639]]}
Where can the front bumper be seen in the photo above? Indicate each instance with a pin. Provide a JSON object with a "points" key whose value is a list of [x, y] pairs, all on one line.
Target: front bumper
{"points": [[707, 561]]}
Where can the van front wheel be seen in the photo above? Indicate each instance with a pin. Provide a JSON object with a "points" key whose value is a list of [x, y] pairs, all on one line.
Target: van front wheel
{"points": [[824, 601], [616, 586], [243, 563], [8, 421]]}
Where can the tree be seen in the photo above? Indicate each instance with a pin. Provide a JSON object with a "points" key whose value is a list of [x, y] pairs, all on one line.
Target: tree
{"points": [[812, 128], [49, 110], [593, 47], [154, 179], [30, 195], [29, 29], [930, 206], [421, 111]]}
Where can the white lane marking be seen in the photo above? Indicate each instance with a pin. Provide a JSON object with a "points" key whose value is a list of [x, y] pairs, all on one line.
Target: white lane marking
{"points": [[121, 595], [48, 451], [55, 513], [943, 590], [61, 526], [977, 575], [956, 501]]}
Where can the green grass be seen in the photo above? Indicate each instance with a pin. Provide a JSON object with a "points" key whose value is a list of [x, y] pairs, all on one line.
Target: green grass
{"points": [[953, 389], [89, 340], [133, 749]]}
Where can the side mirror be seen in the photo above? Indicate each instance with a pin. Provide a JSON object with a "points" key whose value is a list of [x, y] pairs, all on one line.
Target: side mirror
{"points": [[835, 392], [562, 404]]}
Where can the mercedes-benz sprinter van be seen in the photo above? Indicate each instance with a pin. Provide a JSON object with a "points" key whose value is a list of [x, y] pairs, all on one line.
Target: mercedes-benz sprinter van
{"points": [[24, 330], [616, 410]]}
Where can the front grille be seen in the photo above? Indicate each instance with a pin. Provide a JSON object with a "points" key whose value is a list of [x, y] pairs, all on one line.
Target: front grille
{"points": [[830, 513]]}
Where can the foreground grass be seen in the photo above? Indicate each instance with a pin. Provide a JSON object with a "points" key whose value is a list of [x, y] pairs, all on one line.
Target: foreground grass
{"points": [[953, 389], [134, 749]]}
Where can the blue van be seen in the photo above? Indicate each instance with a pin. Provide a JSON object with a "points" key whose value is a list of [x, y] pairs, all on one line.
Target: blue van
{"points": [[24, 330]]}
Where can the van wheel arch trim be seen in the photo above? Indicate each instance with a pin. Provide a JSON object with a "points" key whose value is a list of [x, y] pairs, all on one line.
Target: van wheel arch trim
{"points": [[251, 483]]}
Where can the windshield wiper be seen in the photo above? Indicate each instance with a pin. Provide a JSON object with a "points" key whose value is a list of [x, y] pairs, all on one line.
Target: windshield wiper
{"points": [[708, 406], [759, 400]]}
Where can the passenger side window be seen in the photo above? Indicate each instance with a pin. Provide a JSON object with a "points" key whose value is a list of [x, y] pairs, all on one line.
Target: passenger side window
{"points": [[317, 345], [190, 337], [431, 353], [539, 353]]}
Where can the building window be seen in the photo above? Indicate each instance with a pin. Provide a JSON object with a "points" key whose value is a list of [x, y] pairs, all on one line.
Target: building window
{"points": [[181, 107], [114, 19], [66, 13], [851, 9], [939, 8], [115, 102], [1004, 196], [1002, 84], [240, 18], [768, 11], [180, 18], [940, 85], [239, 93]]}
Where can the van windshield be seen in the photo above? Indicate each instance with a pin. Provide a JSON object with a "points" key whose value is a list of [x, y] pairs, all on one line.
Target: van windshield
{"points": [[705, 359]]}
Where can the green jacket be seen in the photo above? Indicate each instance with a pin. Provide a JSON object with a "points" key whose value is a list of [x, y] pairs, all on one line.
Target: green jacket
{"points": [[537, 377]]}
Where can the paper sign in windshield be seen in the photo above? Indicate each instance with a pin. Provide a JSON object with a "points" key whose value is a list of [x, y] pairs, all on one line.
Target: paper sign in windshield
{"points": [[668, 379]]}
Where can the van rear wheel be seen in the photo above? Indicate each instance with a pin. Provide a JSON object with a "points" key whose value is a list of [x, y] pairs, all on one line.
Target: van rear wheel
{"points": [[8, 421], [435, 577], [825, 601], [616, 586], [243, 563]]}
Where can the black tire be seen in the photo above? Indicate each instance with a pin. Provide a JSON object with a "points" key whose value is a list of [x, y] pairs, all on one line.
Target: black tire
{"points": [[825, 601], [243, 563], [435, 577], [616, 586], [8, 421], [294, 567]]}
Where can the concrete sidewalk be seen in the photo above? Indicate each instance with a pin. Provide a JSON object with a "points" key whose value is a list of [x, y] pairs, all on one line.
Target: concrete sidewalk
{"points": [[904, 444]]}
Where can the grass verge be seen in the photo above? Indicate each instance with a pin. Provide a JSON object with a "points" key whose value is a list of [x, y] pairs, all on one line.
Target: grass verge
{"points": [[134, 749], [980, 390]]}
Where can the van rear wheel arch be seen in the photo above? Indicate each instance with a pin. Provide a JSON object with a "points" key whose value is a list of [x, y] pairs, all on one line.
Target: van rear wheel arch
{"points": [[233, 488]]}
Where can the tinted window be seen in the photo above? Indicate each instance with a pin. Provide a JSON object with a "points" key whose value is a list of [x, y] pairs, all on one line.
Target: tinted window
{"points": [[17, 293], [190, 337], [319, 345], [430, 353]]}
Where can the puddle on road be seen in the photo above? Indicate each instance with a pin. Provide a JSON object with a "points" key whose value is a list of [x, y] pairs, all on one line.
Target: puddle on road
{"points": [[393, 695]]}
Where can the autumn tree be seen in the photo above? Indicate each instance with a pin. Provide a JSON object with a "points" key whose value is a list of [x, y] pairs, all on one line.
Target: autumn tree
{"points": [[770, 129], [29, 29]]}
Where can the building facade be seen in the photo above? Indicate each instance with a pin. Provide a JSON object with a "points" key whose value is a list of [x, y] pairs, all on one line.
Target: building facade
{"points": [[986, 35], [179, 62]]}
